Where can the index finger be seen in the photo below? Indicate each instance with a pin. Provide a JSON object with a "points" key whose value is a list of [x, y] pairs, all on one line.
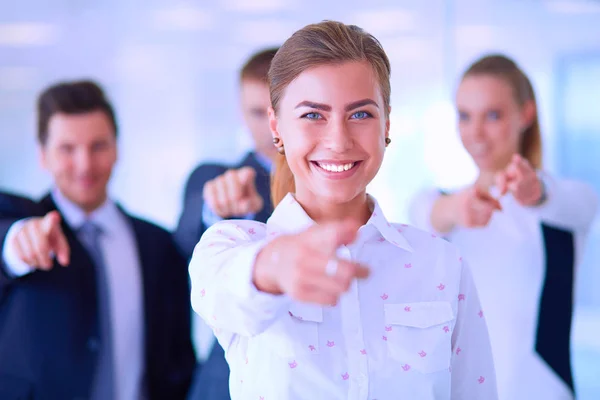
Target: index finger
{"points": [[60, 246], [50, 222], [246, 175]]}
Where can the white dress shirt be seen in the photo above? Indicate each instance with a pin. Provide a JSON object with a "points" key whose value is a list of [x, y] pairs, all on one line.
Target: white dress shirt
{"points": [[121, 257], [413, 330], [508, 262]]}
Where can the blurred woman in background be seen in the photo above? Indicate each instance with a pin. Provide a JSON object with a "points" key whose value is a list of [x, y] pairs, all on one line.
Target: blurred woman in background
{"points": [[521, 230]]}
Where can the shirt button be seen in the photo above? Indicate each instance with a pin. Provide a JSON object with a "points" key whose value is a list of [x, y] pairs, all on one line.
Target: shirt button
{"points": [[93, 344]]}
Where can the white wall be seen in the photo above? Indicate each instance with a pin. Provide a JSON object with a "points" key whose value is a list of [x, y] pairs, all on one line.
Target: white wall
{"points": [[171, 70]]}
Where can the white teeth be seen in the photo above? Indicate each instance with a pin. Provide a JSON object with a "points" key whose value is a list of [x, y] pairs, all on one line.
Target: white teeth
{"points": [[336, 167]]}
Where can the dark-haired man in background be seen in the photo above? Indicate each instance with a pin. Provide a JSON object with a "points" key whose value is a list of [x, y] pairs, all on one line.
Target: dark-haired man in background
{"points": [[94, 303]]}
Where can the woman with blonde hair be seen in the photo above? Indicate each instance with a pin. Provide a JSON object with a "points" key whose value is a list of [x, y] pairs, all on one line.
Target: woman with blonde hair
{"points": [[329, 300], [521, 230]]}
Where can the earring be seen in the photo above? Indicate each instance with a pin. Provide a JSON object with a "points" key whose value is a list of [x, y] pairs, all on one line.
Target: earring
{"points": [[387, 141], [280, 148]]}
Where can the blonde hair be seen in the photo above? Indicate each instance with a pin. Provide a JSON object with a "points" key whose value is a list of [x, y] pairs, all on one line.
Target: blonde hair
{"points": [[506, 69], [328, 42]]}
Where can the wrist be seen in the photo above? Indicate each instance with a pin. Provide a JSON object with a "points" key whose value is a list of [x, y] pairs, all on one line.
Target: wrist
{"points": [[263, 274], [543, 193]]}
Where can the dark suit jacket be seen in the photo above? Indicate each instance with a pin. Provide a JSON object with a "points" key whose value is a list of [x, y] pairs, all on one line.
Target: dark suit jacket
{"points": [[16, 206], [211, 381], [49, 325]]}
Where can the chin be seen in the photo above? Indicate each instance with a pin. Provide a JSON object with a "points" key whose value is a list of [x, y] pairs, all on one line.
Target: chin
{"points": [[87, 199], [337, 196], [485, 164]]}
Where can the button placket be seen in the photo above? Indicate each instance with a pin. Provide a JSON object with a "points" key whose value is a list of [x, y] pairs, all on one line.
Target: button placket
{"points": [[354, 337]]}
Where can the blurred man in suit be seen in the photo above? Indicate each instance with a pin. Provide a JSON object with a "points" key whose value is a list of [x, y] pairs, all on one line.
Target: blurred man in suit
{"points": [[215, 192], [94, 303]]}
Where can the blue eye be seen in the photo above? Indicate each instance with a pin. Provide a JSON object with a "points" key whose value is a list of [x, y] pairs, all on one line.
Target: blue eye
{"points": [[100, 146], [66, 149], [493, 115], [462, 116], [361, 115], [312, 115]]}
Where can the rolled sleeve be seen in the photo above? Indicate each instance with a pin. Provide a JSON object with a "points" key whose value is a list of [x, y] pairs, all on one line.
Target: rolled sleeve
{"points": [[210, 218], [221, 271]]}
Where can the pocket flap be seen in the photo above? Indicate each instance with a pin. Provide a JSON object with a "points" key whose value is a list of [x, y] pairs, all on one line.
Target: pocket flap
{"points": [[418, 315], [306, 312]]}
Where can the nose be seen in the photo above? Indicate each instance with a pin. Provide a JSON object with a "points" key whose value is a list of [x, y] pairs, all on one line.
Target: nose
{"points": [[83, 160], [474, 128], [338, 138]]}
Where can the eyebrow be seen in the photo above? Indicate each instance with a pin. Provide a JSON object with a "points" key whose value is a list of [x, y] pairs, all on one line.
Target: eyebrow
{"points": [[348, 107], [312, 104], [360, 103]]}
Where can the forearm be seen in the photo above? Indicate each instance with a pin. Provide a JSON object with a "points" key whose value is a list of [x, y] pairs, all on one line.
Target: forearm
{"points": [[223, 292], [443, 214], [432, 211]]}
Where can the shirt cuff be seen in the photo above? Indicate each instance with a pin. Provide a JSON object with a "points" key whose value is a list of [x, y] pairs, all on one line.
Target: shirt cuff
{"points": [[209, 217], [549, 204], [15, 267]]}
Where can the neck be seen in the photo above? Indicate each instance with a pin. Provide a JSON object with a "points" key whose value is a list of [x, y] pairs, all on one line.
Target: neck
{"points": [[323, 210], [86, 207], [90, 208]]}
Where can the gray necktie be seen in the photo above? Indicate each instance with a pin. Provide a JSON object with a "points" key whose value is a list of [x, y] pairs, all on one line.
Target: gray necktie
{"points": [[103, 385]]}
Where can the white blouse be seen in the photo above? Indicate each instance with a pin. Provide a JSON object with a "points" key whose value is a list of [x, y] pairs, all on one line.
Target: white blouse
{"points": [[413, 330], [527, 297]]}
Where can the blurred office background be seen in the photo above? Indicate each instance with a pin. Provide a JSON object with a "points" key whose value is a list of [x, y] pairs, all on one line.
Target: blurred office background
{"points": [[170, 67]]}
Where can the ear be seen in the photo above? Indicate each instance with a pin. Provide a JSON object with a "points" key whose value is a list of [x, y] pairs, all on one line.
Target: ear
{"points": [[42, 158], [528, 113], [387, 122], [116, 153], [273, 123]]}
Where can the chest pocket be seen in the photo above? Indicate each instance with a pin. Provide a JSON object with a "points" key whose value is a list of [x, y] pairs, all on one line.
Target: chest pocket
{"points": [[419, 334], [298, 331]]}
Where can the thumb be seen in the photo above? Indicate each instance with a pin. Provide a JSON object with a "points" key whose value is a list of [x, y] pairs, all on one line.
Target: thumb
{"points": [[328, 237], [487, 198], [502, 182], [252, 203]]}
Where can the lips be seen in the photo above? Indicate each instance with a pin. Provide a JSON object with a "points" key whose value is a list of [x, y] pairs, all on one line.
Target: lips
{"points": [[87, 181]]}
